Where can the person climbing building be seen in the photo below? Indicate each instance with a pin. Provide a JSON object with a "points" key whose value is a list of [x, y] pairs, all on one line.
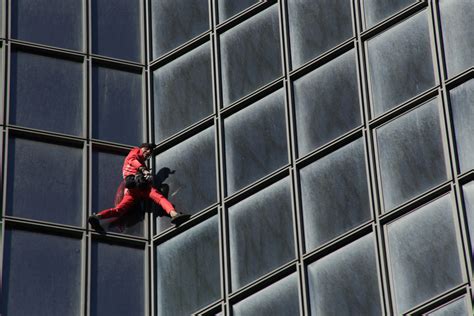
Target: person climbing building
{"points": [[137, 180]]}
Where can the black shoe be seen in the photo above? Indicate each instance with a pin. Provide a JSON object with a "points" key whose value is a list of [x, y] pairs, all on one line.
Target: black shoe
{"points": [[94, 220], [179, 219]]}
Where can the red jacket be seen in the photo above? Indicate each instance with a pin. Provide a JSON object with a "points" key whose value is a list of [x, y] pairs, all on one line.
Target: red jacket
{"points": [[133, 161]]}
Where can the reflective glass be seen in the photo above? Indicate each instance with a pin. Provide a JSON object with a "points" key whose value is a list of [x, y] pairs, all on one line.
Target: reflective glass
{"points": [[423, 254], [334, 194], [188, 170], [400, 63], [44, 181], [117, 280], [228, 8], [106, 178], [458, 307], [279, 299], [462, 109], [41, 274], [182, 92], [326, 103], [261, 233], [377, 10], [187, 266], [174, 22], [50, 22], [345, 282], [250, 55], [317, 26], [117, 105], [458, 31], [255, 141], [116, 29], [411, 144], [46, 93]]}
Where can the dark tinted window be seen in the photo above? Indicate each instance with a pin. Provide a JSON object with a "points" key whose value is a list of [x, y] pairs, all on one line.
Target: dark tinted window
{"points": [[345, 282], [317, 26], [117, 113], [279, 299], [174, 22], [400, 63], [422, 266], [44, 181], [326, 103], [51, 22], [117, 280], [116, 28], [41, 274], [187, 266], [261, 233], [411, 145], [46, 93], [255, 141], [182, 92], [250, 55], [192, 183], [334, 194]]}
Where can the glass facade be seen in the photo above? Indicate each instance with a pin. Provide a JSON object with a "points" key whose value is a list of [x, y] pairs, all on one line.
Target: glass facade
{"points": [[324, 149]]}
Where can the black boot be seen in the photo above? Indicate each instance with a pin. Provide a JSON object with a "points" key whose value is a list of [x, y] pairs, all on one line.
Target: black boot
{"points": [[94, 220], [179, 218]]}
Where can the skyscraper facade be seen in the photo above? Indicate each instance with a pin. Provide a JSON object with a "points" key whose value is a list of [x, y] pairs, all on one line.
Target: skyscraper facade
{"points": [[324, 148]]}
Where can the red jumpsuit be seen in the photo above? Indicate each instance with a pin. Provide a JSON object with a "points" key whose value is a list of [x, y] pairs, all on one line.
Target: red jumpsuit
{"points": [[132, 163]]}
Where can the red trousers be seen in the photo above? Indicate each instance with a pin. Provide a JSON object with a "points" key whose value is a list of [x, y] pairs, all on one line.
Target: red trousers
{"points": [[132, 196]]}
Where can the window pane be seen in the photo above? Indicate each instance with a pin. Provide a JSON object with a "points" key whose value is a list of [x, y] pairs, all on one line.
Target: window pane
{"points": [[117, 111], [468, 191], [317, 26], [334, 194], [182, 92], [117, 280], [39, 281], [44, 181], [457, 307], [279, 299], [175, 22], [326, 103], [457, 23], [250, 54], [116, 28], [192, 181], [106, 179], [411, 144], [400, 63], [49, 22], [345, 282], [46, 93], [228, 8], [255, 141], [462, 100], [422, 266], [261, 234], [187, 266], [377, 10]]}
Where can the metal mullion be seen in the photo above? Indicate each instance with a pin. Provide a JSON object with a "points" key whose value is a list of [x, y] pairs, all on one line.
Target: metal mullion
{"points": [[4, 85], [460, 78], [5, 141], [6, 97], [298, 239], [438, 300], [371, 159], [45, 49], [88, 208]]}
